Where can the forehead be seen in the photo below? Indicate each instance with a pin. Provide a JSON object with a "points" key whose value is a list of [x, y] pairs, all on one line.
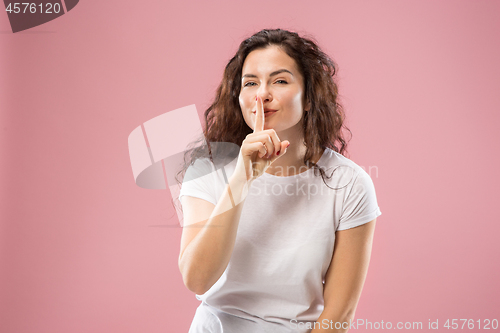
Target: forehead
{"points": [[265, 61]]}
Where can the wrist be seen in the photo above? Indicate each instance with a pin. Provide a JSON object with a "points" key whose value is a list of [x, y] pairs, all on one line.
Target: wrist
{"points": [[239, 186], [240, 180]]}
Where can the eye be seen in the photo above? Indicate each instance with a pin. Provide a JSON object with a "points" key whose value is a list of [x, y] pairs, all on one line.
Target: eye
{"points": [[248, 84], [281, 81]]}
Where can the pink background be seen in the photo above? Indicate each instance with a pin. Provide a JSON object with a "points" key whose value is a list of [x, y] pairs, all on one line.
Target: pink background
{"points": [[84, 249]]}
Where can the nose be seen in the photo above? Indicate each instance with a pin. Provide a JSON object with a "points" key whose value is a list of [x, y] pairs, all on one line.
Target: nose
{"points": [[264, 93]]}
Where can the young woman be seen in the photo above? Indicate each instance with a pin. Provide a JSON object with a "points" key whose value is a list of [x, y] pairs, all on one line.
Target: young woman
{"points": [[279, 238]]}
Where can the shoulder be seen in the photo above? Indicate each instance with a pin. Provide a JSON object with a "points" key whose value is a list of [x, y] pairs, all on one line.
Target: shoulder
{"points": [[339, 168], [331, 158], [199, 168], [223, 155], [213, 171]]}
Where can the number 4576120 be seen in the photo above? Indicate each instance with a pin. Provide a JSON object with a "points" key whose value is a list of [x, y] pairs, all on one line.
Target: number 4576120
{"points": [[26, 7], [471, 324]]}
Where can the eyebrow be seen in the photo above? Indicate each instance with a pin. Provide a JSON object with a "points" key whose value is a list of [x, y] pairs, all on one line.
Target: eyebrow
{"points": [[272, 74]]}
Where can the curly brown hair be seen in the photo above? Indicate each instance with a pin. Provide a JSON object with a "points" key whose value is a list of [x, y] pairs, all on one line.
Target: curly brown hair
{"points": [[323, 123]]}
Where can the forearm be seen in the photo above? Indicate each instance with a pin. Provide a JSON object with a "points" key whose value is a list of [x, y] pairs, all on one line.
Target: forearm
{"points": [[332, 322], [208, 254]]}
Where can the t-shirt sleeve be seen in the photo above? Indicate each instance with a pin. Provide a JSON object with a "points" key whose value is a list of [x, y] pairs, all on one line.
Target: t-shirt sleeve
{"points": [[360, 206], [199, 181]]}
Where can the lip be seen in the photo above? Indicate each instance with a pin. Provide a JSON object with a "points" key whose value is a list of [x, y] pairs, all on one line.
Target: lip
{"points": [[266, 111]]}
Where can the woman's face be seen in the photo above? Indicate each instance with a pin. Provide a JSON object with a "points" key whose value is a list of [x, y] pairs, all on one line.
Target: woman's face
{"points": [[274, 76]]}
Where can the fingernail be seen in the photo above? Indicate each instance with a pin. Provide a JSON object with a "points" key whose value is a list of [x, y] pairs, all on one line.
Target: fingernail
{"points": [[277, 153], [255, 98], [288, 144]]}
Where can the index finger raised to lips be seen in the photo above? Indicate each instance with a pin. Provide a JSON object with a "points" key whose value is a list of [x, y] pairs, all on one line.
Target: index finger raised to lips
{"points": [[259, 115]]}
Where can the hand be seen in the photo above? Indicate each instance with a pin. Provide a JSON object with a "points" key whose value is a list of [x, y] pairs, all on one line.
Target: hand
{"points": [[260, 148]]}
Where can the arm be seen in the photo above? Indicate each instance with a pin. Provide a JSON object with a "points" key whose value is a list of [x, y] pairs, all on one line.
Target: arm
{"points": [[346, 276], [208, 236]]}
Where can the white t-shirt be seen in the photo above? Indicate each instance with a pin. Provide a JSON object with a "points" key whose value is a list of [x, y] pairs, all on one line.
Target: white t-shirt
{"points": [[284, 244]]}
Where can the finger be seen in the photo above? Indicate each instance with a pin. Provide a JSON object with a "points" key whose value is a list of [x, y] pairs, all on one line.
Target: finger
{"points": [[276, 141], [284, 146], [267, 140], [259, 115], [254, 147]]}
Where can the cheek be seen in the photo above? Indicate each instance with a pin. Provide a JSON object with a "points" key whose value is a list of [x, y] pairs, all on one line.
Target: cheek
{"points": [[294, 101], [244, 106], [244, 102], [298, 99], [296, 107]]}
